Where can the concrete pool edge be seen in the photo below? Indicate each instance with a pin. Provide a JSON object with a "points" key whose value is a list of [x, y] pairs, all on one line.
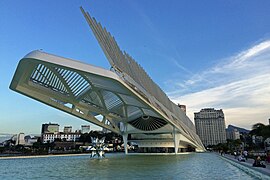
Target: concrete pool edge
{"points": [[158, 154], [258, 172], [42, 156]]}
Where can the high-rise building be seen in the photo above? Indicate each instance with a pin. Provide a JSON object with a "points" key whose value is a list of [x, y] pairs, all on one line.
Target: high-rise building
{"points": [[49, 128], [67, 129], [85, 129], [210, 126]]}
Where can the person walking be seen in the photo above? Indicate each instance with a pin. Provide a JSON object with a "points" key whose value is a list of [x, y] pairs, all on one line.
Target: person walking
{"points": [[245, 153], [235, 154]]}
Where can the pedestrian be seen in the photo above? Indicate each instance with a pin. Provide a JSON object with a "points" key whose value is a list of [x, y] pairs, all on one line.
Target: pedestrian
{"points": [[221, 152], [258, 163], [268, 158], [245, 153]]}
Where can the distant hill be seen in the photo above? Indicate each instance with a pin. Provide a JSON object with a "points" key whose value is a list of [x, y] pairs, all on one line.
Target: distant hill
{"points": [[4, 137], [241, 130]]}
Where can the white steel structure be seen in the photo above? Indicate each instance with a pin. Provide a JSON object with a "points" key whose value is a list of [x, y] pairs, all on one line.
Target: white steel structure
{"points": [[126, 98]]}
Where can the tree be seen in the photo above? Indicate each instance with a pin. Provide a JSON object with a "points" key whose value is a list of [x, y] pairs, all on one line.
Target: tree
{"points": [[257, 129], [266, 132], [260, 129]]}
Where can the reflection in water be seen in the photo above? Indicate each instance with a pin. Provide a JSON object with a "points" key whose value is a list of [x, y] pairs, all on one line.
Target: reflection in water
{"points": [[120, 166]]}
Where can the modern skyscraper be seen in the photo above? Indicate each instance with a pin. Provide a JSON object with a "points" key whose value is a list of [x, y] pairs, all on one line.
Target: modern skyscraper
{"points": [[210, 126]]}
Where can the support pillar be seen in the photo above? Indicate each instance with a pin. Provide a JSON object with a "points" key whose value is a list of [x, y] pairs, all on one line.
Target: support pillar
{"points": [[125, 136], [176, 139]]}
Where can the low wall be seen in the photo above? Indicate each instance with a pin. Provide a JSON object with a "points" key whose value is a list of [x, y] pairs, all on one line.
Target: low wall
{"points": [[258, 172]]}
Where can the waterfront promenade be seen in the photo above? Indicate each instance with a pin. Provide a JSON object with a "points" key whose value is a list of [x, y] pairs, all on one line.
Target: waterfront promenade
{"points": [[248, 164]]}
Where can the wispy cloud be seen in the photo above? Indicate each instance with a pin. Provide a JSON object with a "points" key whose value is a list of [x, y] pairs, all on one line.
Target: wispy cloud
{"points": [[176, 63], [240, 85]]}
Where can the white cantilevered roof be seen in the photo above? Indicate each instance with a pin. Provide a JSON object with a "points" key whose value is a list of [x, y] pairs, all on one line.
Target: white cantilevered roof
{"points": [[67, 85], [88, 91]]}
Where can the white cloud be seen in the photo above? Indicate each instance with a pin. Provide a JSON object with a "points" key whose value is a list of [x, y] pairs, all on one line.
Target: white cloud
{"points": [[240, 85], [256, 50]]}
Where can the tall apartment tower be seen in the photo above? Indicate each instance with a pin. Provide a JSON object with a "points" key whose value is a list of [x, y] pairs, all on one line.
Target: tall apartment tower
{"points": [[210, 126]]}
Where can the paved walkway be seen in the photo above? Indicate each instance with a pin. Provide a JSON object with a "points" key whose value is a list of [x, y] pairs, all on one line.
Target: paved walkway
{"points": [[248, 163]]}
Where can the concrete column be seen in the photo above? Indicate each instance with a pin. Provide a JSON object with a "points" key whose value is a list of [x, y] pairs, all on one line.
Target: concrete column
{"points": [[125, 135], [176, 139]]}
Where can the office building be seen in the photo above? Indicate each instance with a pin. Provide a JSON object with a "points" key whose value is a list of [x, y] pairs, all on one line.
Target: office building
{"points": [[20, 139], [30, 140], [67, 129], [50, 132], [49, 128], [232, 134], [210, 126], [85, 129], [51, 137]]}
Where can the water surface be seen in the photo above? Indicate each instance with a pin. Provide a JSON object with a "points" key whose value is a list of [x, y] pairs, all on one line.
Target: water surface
{"points": [[120, 166]]}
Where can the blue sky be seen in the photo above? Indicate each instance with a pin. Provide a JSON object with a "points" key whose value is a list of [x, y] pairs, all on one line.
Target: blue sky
{"points": [[201, 53]]}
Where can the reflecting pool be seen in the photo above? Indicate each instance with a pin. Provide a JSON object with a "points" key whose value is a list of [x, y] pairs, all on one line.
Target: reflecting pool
{"points": [[120, 166]]}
